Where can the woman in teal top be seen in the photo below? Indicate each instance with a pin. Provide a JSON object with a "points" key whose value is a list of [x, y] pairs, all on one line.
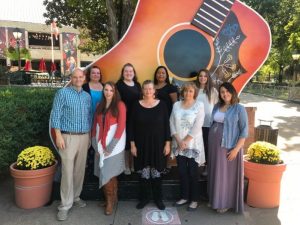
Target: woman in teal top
{"points": [[95, 88]]}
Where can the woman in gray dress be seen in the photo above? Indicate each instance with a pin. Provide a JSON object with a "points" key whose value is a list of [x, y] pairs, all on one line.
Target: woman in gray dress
{"points": [[225, 155]]}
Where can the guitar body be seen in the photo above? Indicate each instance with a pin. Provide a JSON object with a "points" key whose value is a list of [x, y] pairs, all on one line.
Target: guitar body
{"points": [[161, 33], [158, 26]]}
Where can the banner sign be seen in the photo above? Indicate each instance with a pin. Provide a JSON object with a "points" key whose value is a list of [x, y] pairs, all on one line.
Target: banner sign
{"points": [[41, 40], [69, 52], [12, 42], [2, 42]]}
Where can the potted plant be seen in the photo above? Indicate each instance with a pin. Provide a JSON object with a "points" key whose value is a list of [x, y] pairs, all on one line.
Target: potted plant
{"points": [[264, 169], [33, 174]]}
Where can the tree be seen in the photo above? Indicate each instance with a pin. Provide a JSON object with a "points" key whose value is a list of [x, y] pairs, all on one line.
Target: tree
{"points": [[101, 22], [283, 18], [13, 54]]}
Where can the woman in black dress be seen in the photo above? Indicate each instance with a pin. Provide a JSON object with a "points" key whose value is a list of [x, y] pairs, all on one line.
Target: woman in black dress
{"points": [[130, 92], [149, 135], [164, 90]]}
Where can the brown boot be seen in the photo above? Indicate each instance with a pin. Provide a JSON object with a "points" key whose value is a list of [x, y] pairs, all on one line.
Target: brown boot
{"points": [[115, 181], [115, 184], [109, 197]]}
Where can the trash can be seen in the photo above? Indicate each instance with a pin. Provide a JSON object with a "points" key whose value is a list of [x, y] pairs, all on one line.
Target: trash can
{"points": [[265, 132]]}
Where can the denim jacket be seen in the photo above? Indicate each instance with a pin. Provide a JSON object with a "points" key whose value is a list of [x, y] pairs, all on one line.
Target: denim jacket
{"points": [[235, 125]]}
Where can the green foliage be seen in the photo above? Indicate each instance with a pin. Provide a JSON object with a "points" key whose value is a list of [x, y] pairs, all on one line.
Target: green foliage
{"points": [[92, 17], [13, 54], [283, 17], [24, 119]]}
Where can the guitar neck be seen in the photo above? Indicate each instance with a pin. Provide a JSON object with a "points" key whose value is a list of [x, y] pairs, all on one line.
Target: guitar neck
{"points": [[211, 15]]}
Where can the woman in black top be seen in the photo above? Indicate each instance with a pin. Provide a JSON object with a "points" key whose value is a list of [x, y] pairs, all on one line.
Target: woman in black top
{"points": [[94, 87], [149, 135], [130, 92], [164, 90]]}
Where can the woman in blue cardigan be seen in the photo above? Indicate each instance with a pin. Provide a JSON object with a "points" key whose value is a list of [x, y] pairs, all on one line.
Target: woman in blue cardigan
{"points": [[227, 135]]}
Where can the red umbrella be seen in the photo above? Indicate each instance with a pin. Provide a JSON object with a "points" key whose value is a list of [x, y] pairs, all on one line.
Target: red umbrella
{"points": [[53, 67], [27, 65], [42, 65]]}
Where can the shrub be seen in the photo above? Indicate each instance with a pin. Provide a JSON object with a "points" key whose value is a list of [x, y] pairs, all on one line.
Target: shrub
{"points": [[24, 120]]}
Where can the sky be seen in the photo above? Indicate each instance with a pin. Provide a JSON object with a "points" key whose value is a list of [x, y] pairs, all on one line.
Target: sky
{"points": [[22, 10]]}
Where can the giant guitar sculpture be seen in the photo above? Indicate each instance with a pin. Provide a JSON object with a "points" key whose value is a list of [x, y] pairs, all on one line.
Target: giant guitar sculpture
{"points": [[225, 36]]}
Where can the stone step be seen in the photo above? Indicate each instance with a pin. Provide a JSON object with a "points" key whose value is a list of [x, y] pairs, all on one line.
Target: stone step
{"points": [[129, 187]]}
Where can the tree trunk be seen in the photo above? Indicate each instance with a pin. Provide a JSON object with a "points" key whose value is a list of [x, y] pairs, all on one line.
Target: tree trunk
{"points": [[127, 13], [112, 23]]}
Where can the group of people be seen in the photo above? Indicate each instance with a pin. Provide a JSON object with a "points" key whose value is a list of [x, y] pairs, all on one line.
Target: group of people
{"points": [[112, 123]]}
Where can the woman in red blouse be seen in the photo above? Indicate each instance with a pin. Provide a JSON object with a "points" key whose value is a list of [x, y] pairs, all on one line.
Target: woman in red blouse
{"points": [[109, 137]]}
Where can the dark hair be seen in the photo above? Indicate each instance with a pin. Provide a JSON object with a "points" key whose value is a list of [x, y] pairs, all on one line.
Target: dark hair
{"points": [[122, 71], [167, 74], [88, 73], [187, 85], [146, 82], [113, 107], [208, 86], [229, 87]]}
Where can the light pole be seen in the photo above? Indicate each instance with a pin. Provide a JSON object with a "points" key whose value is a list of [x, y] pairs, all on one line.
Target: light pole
{"points": [[280, 74], [17, 35]]}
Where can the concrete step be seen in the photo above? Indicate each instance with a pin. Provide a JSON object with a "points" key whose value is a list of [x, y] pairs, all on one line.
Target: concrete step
{"points": [[129, 187]]}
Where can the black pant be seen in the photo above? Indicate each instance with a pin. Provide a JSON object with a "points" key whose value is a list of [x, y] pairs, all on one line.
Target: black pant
{"points": [[205, 131], [188, 174]]}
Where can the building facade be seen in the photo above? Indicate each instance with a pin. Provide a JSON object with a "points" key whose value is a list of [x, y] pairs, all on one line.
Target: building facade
{"points": [[36, 38]]}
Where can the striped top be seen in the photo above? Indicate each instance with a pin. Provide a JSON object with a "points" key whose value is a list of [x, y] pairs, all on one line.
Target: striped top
{"points": [[71, 111]]}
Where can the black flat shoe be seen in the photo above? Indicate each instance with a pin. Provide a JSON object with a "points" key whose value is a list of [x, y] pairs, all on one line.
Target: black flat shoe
{"points": [[160, 204], [142, 204]]}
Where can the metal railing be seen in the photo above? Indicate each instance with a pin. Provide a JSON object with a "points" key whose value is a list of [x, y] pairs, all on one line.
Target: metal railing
{"points": [[289, 93]]}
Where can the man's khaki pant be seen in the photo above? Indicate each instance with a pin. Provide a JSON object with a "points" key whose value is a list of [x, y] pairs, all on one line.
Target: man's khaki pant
{"points": [[73, 159]]}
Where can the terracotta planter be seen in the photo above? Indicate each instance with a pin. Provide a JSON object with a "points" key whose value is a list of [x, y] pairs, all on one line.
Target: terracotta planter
{"points": [[32, 187], [264, 184]]}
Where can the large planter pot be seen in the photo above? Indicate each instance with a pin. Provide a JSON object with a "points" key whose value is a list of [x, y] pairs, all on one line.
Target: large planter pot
{"points": [[32, 187], [264, 184]]}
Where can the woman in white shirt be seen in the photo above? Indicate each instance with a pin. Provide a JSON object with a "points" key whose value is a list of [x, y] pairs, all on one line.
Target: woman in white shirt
{"points": [[208, 95], [187, 145]]}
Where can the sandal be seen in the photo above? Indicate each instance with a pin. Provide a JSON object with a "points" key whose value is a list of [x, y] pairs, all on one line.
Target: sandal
{"points": [[222, 210]]}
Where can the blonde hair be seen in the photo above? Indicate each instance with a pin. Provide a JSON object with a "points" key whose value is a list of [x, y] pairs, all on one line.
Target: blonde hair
{"points": [[187, 86]]}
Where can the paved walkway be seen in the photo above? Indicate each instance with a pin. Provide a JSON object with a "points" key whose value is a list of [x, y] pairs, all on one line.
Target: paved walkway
{"points": [[286, 117]]}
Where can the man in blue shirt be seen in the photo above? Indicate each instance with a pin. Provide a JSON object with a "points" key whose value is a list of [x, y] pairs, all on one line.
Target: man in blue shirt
{"points": [[71, 120]]}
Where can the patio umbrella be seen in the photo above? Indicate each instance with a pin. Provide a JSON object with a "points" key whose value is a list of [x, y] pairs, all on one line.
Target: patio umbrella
{"points": [[27, 65], [42, 65]]}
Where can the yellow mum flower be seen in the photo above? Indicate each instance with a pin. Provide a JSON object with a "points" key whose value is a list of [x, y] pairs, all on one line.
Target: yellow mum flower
{"points": [[264, 153], [36, 157]]}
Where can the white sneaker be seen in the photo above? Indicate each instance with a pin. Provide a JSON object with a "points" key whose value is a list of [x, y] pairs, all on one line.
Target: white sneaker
{"points": [[62, 215], [127, 171], [79, 204], [192, 206]]}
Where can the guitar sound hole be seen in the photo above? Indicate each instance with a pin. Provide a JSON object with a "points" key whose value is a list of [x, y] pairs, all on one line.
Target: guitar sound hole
{"points": [[186, 52]]}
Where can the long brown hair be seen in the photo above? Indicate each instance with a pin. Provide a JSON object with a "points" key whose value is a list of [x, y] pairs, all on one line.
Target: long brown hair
{"points": [[209, 84], [122, 71], [229, 87], [113, 107]]}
